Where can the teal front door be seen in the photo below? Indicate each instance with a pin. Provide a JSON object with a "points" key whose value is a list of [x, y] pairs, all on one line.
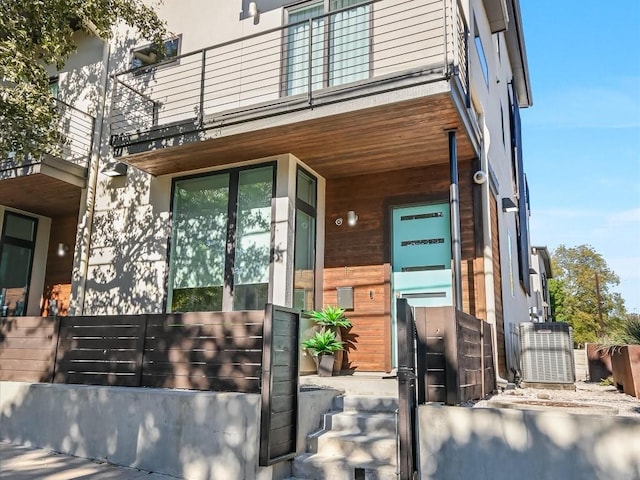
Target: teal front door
{"points": [[421, 258]]}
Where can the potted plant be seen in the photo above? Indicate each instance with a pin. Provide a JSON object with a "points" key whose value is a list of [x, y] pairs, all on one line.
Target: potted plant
{"points": [[333, 319], [323, 346]]}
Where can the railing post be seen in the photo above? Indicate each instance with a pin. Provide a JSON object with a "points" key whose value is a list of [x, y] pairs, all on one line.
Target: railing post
{"points": [[310, 64], [202, 73]]}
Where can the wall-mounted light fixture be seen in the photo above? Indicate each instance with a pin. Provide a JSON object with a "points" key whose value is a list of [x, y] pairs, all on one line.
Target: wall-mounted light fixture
{"points": [[63, 248], [253, 9], [508, 206], [352, 218], [115, 169]]}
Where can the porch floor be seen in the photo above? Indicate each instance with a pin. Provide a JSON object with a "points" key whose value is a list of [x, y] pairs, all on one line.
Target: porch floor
{"points": [[369, 383]]}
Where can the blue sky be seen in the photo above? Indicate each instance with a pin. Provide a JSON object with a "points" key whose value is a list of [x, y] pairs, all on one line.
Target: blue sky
{"points": [[582, 136]]}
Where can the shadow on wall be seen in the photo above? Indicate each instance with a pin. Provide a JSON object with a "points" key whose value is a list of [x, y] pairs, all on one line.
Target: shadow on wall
{"points": [[496, 444], [173, 432]]}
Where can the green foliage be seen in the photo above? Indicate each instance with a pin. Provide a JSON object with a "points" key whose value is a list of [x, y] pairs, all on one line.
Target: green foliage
{"points": [[574, 296], [323, 342], [329, 317], [38, 33]]}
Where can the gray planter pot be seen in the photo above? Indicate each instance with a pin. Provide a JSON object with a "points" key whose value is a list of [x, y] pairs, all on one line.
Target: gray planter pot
{"points": [[325, 365]]}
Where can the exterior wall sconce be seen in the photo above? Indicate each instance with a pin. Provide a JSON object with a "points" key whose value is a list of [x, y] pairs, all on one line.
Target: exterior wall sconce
{"points": [[352, 219], [63, 248], [115, 169], [253, 9], [508, 206]]}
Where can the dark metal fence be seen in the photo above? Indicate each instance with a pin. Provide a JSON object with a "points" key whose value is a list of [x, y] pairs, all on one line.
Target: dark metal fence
{"points": [[327, 57]]}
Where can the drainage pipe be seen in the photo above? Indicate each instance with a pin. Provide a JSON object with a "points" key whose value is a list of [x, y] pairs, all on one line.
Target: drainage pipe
{"points": [[490, 299]]}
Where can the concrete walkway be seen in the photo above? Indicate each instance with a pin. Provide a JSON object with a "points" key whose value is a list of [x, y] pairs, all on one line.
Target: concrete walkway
{"points": [[22, 463]]}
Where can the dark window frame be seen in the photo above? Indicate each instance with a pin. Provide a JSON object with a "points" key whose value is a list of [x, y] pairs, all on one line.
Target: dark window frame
{"points": [[145, 68], [301, 205], [19, 242], [232, 218]]}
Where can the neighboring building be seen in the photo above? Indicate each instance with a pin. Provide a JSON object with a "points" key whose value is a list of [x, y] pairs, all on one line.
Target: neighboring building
{"points": [[539, 301], [263, 167]]}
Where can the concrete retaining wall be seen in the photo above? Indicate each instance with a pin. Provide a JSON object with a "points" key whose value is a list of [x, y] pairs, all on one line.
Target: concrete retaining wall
{"points": [[493, 444], [195, 435]]}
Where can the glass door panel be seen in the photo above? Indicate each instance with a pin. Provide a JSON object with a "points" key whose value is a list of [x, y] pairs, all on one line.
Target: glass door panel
{"points": [[349, 42], [200, 217], [253, 239], [297, 41], [304, 277]]}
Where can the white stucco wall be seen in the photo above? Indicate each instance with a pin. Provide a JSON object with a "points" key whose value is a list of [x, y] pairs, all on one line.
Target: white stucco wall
{"points": [[492, 100]]}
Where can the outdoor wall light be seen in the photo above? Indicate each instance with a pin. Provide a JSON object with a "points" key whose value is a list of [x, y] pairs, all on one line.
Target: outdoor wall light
{"points": [[253, 9], [63, 248], [508, 206], [115, 169], [352, 218]]}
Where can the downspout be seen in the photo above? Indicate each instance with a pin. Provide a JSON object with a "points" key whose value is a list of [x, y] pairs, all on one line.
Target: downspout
{"points": [[84, 239], [456, 242], [490, 293]]}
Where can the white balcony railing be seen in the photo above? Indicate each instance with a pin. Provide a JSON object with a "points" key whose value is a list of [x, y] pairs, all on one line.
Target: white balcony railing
{"points": [[298, 65]]}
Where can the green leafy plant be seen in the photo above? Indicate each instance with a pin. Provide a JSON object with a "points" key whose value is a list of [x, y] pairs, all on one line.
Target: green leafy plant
{"points": [[627, 334], [329, 317], [323, 343]]}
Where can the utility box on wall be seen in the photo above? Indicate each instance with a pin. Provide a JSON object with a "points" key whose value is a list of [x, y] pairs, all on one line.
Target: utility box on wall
{"points": [[345, 297]]}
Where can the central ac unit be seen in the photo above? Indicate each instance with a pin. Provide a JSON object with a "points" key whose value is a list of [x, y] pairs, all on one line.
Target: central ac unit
{"points": [[547, 353]]}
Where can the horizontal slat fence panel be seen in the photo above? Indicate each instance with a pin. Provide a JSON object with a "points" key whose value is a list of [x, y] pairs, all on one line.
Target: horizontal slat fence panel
{"points": [[101, 350], [204, 351], [454, 356], [27, 348]]}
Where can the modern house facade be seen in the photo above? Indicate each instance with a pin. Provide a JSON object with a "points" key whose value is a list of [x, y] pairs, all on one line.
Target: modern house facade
{"points": [[335, 152]]}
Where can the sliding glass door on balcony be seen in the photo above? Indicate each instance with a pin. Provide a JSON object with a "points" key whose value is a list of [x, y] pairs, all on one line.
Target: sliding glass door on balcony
{"points": [[340, 45], [220, 248]]}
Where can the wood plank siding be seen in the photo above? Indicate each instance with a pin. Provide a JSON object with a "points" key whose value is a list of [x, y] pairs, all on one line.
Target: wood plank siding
{"points": [[497, 287], [57, 280], [407, 133], [27, 348], [359, 256]]}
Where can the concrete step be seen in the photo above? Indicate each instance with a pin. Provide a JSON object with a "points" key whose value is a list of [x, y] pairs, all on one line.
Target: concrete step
{"points": [[373, 422], [358, 447], [327, 467], [366, 403]]}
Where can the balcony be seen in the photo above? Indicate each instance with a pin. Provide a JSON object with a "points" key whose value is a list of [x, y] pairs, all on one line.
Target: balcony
{"points": [[303, 88], [57, 178]]}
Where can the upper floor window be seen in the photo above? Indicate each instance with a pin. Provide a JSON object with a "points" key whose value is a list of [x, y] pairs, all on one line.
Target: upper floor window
{"points": [[340, 44], [53, 86], [480, 49], [149, 55]]}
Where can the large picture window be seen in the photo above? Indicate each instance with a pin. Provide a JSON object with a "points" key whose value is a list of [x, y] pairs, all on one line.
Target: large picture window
{"points": [[220, 248]]}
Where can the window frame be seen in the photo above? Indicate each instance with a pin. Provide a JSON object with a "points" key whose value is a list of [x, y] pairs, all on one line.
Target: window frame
{"points": [[230, 246], [311, 211], [480, 51], [326, 51], [145, 68], [19, 242]]}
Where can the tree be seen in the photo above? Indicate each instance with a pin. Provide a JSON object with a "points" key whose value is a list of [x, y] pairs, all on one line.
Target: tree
{"points": [[37, 33], [581, 293]]}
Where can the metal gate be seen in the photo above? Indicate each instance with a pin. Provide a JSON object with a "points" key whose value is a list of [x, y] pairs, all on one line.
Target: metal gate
{"points": [[407, 402]]}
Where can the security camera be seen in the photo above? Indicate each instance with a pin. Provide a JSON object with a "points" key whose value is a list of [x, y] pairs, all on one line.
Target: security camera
{"points": [[479, 177]]}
